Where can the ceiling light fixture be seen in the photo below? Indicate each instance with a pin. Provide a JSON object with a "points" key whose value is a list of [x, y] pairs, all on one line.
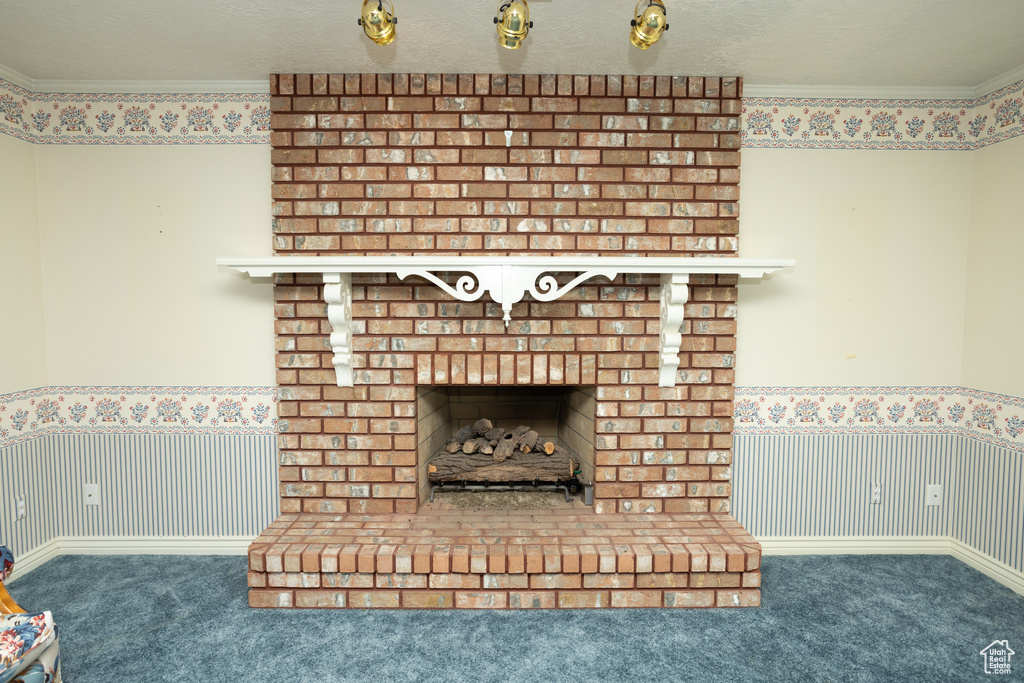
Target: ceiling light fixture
{"points": [[514, 23], [379, 24], [648, 24]]}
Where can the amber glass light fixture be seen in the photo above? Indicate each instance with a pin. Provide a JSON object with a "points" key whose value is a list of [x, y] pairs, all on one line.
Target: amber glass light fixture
{"points": [[379, 22], [648, 23], [513, 22]]}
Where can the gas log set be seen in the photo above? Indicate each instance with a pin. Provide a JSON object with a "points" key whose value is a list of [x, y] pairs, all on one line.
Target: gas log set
{"points": [[482, 455]]}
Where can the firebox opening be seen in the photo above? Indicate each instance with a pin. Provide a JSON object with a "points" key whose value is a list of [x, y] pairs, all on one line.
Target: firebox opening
{"points": [[561, 416]]}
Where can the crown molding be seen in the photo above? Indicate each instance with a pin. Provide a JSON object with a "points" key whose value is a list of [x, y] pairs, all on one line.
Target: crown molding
{"points": [[884, 92], [1001, 81], [828, 92], [57, 86], [46, 86], [749, 89], [150, 86], [16, 77]]}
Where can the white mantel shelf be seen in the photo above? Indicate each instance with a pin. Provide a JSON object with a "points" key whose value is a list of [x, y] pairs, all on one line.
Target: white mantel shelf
{"points": [[507, 280]]}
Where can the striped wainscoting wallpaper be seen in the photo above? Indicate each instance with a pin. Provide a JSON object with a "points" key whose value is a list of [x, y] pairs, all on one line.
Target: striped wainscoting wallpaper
{"points": [[806, 461], [821, 485], [27, 469], [987, 501], [179, 485], [199, 464]]}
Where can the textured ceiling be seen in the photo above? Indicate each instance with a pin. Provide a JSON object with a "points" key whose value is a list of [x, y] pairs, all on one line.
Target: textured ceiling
{"points": [[860, 43]]}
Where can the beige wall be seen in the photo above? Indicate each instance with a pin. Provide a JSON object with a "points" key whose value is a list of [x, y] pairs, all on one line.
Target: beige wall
{"points": [[22, 331], [994, 320], [877, 296], [129, 236]]}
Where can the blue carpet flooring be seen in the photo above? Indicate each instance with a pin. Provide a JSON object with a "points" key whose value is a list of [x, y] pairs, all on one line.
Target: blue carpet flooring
{"points": [[823, 618]]}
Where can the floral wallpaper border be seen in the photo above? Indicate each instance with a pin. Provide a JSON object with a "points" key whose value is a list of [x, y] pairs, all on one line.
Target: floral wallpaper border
{"points": [[768, 122], [992, 418], [137, 410], [813, 123], [134, 118]]}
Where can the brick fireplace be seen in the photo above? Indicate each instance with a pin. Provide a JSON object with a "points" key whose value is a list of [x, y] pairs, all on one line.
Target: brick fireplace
{"points": [[504, 165]]}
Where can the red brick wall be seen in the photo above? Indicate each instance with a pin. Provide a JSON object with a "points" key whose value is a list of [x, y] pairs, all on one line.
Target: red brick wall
{"points": [[418, 163]]}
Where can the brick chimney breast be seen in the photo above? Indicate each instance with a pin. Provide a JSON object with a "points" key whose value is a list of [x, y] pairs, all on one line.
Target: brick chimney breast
{"points": [[505, 164]]}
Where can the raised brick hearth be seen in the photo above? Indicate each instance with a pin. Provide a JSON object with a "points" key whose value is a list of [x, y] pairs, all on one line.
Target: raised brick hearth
{"points": [[420, 164], [505, 559]]}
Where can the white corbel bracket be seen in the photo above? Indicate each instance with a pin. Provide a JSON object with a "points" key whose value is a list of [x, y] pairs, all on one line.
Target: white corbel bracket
{"points": [[507, 280], [675, 292], [338, 297]]}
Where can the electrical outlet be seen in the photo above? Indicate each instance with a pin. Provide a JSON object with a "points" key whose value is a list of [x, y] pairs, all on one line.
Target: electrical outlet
{"points": [[934, 494], [91, 493], [876, 493], [19, 504]]}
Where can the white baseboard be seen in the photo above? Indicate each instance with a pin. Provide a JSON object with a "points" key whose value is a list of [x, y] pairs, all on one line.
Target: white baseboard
{"points": [[771, 545], [895, 545], [34, 558], [855, 545], [993, 569], [130, 545]]}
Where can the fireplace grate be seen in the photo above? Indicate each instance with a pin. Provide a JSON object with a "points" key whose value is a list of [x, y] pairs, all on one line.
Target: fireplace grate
{"points": [[569, 487]]}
